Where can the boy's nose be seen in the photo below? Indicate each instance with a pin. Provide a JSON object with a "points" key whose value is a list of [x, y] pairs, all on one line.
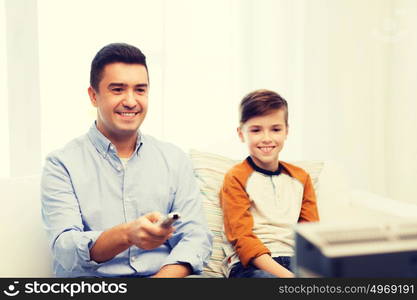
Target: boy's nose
{"points": [[267, 138]]}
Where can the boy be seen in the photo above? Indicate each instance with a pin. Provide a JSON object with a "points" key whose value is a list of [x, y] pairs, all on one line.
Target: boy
{"points": [[263, 198]]}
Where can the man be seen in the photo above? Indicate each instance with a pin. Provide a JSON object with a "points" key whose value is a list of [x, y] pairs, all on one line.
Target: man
{"points": [[104, 193]]}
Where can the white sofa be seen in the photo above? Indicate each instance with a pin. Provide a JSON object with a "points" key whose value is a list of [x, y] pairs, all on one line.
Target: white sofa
{"points": [[25, 253], [24, 247]]}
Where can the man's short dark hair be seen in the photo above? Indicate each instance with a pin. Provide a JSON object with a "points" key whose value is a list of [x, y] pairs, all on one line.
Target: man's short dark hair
{"points": [[112, 53], [260, 103]]}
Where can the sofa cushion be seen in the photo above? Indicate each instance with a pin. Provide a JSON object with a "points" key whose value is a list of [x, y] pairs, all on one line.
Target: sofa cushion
{"points": [[209, 169]]}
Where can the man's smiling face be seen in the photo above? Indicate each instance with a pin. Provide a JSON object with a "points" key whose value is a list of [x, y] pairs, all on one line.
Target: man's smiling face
{"points": [[121, 99]]}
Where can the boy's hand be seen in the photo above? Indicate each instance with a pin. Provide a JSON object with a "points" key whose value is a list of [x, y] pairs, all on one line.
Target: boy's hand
{"points": [[267, 263], [146, 234]]}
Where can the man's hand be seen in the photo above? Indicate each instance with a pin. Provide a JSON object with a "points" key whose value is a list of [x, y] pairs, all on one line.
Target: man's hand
{"points": [[146, 234], [142, 232]]}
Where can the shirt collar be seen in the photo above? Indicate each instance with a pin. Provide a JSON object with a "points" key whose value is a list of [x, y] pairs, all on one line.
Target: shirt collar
{"points": [[263, 171], [104, 145]]}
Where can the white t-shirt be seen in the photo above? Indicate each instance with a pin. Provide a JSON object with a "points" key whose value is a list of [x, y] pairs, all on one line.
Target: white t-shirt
{"points": [[124, 161]]}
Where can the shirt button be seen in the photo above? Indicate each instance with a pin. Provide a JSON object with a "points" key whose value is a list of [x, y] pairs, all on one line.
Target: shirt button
{"points": [[118, 168]]}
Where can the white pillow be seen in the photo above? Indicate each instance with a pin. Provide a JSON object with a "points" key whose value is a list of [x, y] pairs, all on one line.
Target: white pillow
{"points": [[209, 169]]}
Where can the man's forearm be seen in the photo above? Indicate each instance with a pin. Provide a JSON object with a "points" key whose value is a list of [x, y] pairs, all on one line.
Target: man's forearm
{"points": [[110, 243], [174, 271]]}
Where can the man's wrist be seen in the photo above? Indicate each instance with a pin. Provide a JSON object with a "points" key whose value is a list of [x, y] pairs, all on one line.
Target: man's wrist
{"points": [[125, 233]]}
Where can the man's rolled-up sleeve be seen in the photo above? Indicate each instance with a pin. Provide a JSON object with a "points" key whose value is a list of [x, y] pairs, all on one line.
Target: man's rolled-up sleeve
{"points": [[192, 241], [69, 243]]}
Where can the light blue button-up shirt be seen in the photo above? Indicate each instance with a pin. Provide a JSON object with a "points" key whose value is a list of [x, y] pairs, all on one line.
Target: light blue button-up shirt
{"points": [[85, 190]]}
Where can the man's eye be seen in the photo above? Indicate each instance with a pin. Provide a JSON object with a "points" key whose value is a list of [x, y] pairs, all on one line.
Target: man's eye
{"points": [[140, 90], [117, 90]]}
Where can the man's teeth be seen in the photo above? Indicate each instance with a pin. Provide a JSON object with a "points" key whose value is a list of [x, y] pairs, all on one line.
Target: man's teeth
{"points": [[128, 114]]}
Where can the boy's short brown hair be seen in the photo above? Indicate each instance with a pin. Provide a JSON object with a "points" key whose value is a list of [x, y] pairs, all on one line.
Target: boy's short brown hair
{"points": [[260, 103]]}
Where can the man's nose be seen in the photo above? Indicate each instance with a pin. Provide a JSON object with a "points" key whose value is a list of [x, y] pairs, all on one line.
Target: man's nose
{"points": [[130, 100]]}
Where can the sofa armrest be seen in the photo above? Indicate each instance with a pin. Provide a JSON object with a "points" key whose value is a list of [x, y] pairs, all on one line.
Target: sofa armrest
{"points": [[24, 251]]}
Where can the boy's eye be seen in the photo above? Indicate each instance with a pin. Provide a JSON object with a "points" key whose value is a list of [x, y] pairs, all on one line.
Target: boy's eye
{"points": [[276, 129], [254, 130]]}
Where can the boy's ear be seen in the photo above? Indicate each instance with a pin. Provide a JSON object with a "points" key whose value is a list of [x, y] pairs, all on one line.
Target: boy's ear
{"points": [[92, 93], [286, 132], [240, 134]]}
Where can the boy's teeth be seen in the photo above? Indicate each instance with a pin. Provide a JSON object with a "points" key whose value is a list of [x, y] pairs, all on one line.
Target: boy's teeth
{"points": [[266, 149]]}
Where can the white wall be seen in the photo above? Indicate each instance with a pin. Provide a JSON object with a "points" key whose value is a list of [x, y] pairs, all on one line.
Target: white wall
{"points": [[70, 33], [204, 56], [345, 88], [347, 70], [401, 130]]}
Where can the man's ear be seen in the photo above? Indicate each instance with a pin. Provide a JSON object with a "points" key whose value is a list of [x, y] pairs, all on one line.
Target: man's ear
{"points": [[93, 96], [240, 134]]}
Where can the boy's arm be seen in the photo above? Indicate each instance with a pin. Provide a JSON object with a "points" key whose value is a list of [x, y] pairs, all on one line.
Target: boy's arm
{"points": [[267, 263], [238, 221], [309, 212]]}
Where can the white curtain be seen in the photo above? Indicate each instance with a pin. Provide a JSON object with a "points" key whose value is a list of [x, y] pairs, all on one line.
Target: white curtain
{"points": [[4, 120], [346, 67]]}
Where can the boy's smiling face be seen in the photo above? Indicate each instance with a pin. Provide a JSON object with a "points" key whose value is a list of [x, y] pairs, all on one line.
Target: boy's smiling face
{"points": [[265, 137]]}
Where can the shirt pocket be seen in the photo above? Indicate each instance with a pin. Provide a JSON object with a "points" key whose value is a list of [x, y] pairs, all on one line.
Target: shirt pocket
{"points": [[155, 197]]}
